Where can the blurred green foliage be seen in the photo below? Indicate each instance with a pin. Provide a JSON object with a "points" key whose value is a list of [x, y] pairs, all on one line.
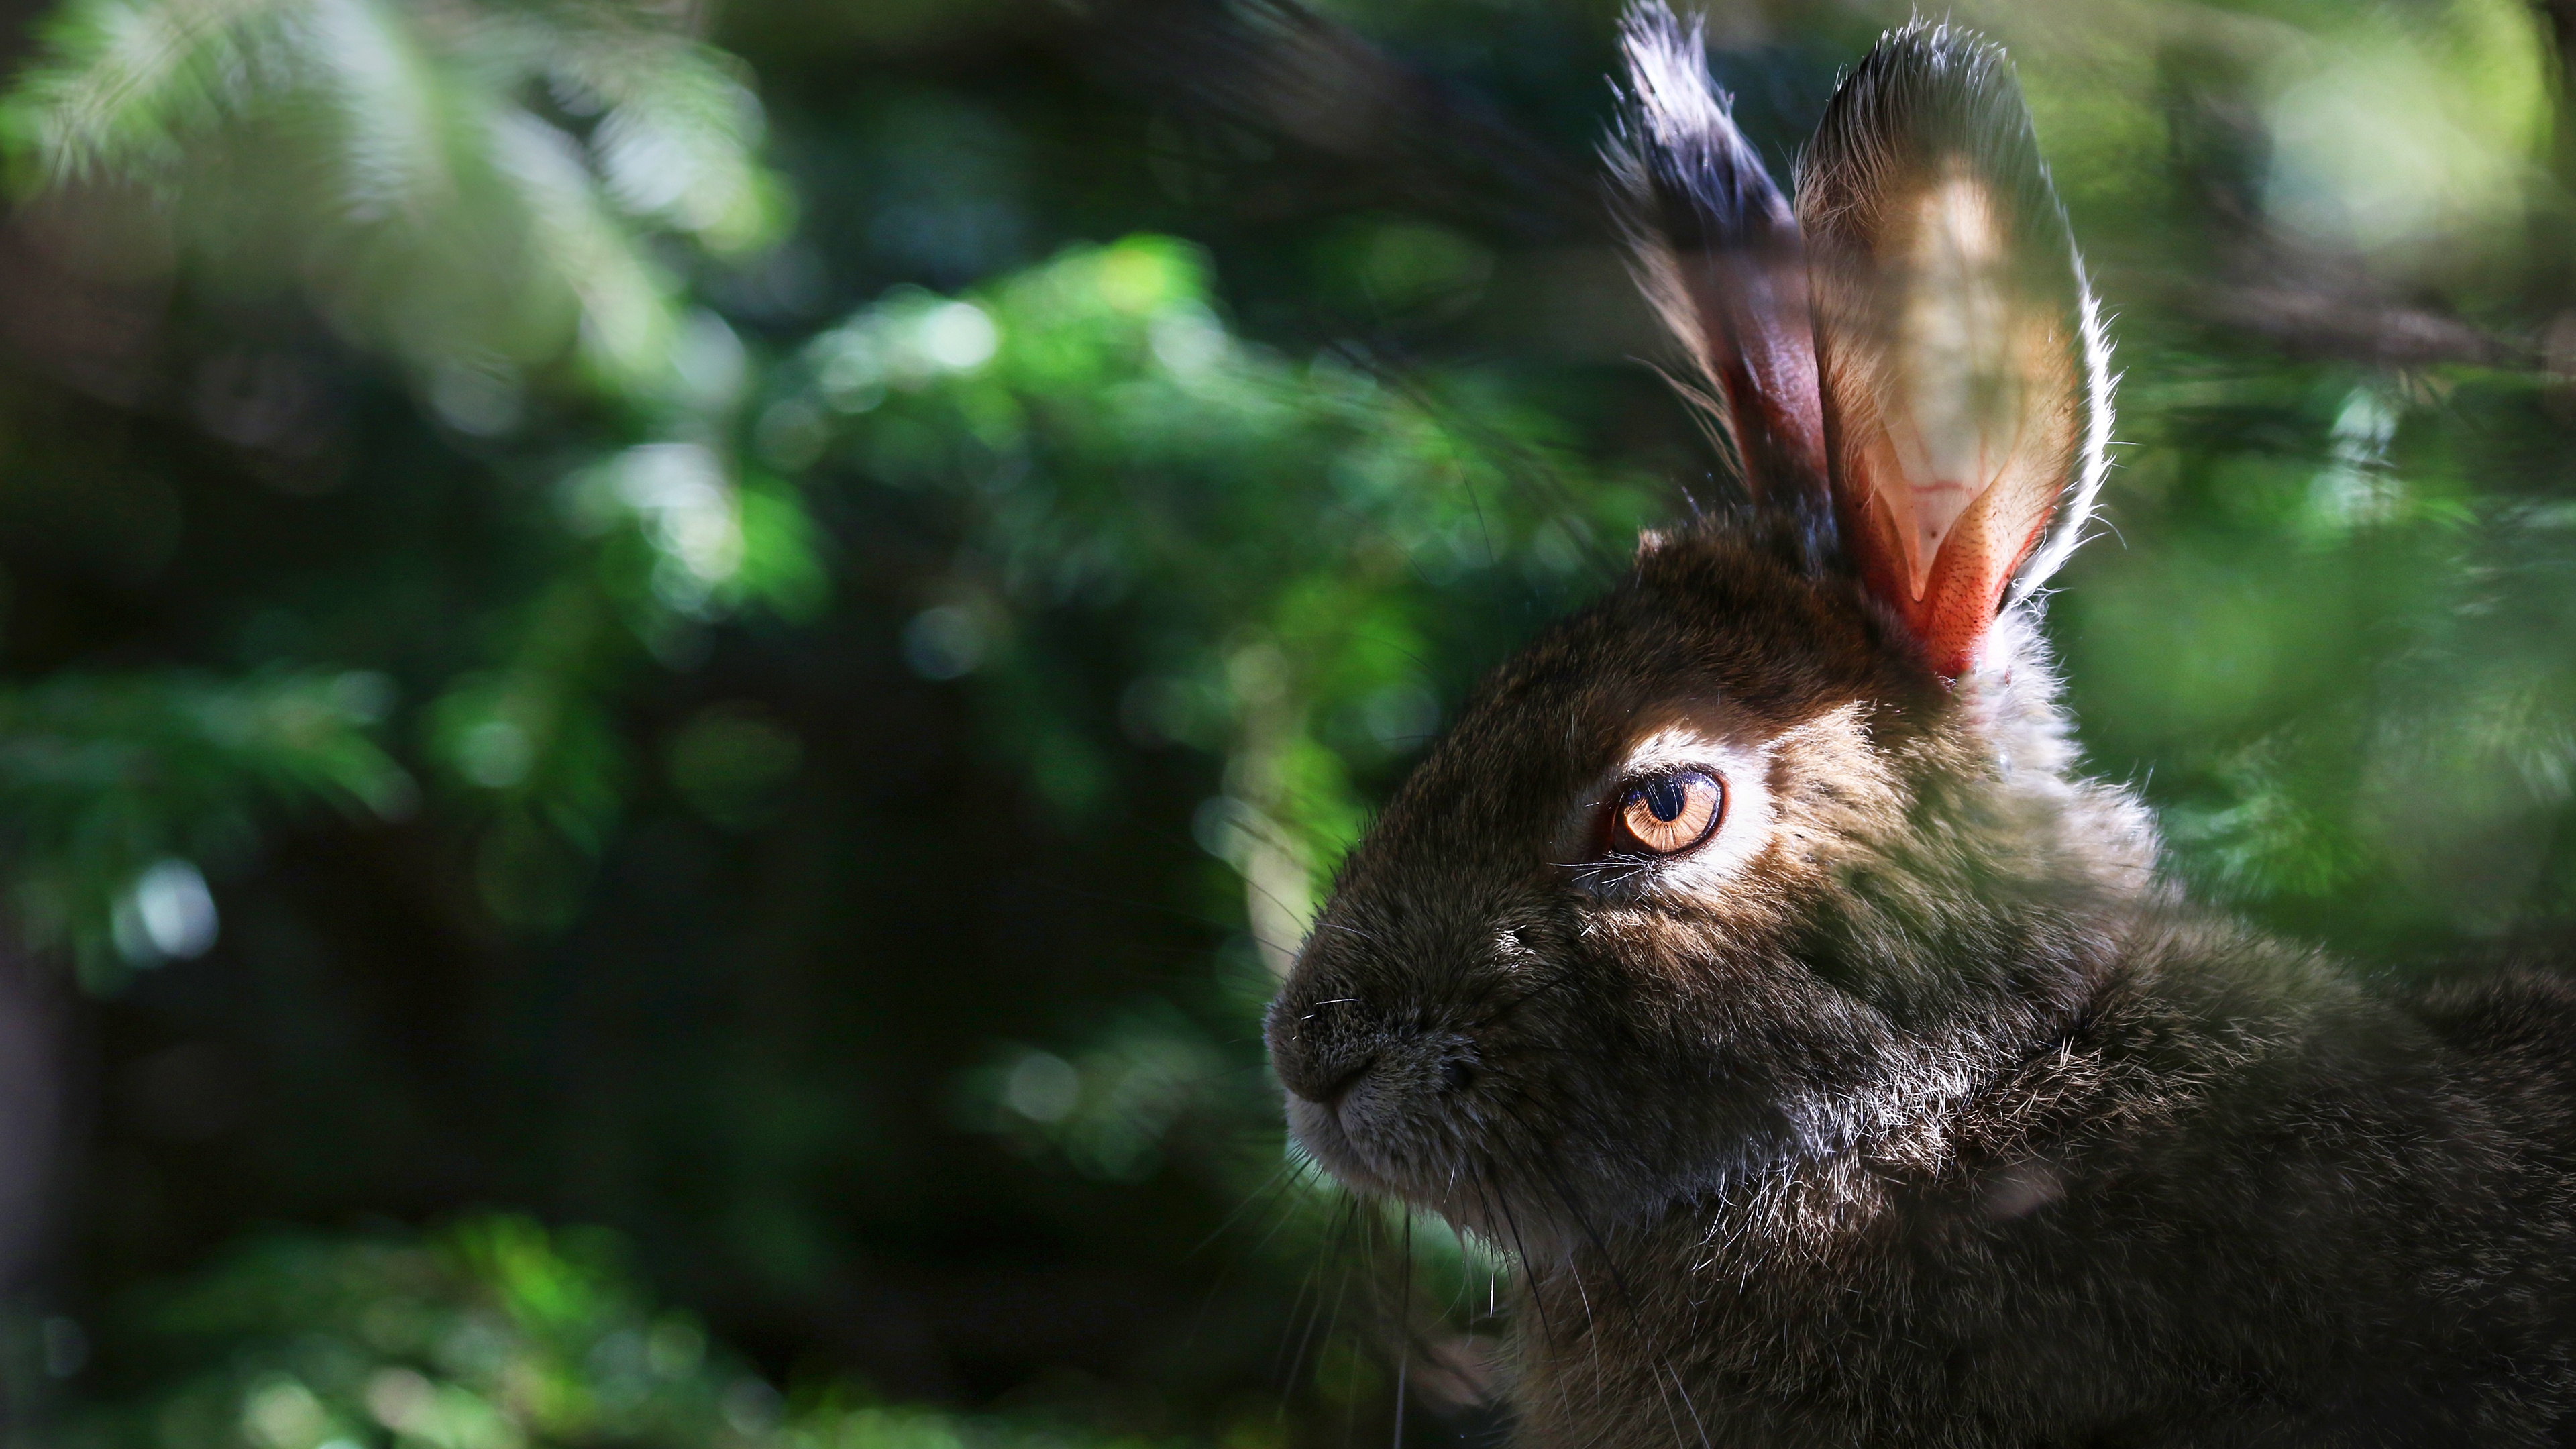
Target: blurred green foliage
{"points": [[1273, 540], [113, 783], [761, 627], [469, 189], [489, 1334]]}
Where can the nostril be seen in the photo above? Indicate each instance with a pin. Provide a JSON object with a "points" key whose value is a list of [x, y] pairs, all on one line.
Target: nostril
{"points": [[1334, 1090], [1323, 1082], [1457, 1076]]}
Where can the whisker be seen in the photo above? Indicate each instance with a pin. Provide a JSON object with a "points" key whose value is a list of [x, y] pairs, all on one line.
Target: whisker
{"points": [[1547, 1164], [1529, 1271], [1302, 1339], [1270, 1187], [1680, 1388], [1404, 1350]]}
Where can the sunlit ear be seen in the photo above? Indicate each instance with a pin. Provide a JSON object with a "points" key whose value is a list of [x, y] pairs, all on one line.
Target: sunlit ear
{"points": [[1717, 250], [1959, 353]]}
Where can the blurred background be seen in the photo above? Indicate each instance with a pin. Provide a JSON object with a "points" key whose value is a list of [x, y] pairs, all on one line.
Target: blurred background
{"points": [[672, 674]]}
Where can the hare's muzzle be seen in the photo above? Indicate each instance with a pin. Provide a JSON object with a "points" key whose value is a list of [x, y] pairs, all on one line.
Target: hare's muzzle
{"points": [[1374, 1094], [1319, 1064]]}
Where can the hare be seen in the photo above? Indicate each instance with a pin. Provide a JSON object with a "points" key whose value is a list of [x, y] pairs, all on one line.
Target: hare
{"points": [[1752, 965]]}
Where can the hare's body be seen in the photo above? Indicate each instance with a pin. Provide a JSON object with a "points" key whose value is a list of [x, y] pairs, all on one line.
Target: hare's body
{"points": [[2236, 1202], [2350, 1233], [1752, 964]]}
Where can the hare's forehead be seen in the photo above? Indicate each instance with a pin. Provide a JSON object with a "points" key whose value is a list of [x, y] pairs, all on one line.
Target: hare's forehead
{"points": [[1520, 775], [1632, 726], [1661, 740]]}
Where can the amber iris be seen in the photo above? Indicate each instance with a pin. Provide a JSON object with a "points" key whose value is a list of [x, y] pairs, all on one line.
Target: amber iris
{"points": [[1670, 812]]}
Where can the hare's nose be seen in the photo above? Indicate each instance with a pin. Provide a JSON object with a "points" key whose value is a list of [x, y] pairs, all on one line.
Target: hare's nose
{"points": [[1318, 1059], [1324, 1076], [1330, 1089]]}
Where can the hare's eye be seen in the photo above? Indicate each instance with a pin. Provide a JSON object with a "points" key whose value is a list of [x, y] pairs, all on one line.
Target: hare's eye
{"points": [[1670, 812]]}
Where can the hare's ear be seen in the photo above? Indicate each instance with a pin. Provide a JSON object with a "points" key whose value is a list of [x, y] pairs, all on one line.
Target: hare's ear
{"points": [[1965, 375], [1717, 251]]}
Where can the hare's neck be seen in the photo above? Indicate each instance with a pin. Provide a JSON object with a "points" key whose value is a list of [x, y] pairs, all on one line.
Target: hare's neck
{"points": [[1625, 1341], [2096, 837]]}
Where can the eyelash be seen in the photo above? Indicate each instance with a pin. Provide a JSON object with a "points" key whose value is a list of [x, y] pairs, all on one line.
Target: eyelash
{"points": [[1664, 815]]}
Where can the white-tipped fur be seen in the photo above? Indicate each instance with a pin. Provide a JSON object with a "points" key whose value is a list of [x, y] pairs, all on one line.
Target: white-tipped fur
{"points": [[1714, 246], [2075, 512], [1668, 73]]}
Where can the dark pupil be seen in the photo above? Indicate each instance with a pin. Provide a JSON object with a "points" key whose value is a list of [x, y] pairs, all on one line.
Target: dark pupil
{"points": [[1666, 798]]}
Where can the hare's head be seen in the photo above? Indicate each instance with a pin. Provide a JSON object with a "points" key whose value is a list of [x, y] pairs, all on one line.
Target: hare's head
{"points": [[1776, 850]]}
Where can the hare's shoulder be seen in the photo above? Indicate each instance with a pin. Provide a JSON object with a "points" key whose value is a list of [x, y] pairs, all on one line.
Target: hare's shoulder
{"points": [[2224, 1059], [2511, 1037], [2518, 1010]]}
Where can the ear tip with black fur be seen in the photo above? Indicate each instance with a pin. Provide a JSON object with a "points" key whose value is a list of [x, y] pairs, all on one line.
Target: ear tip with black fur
{"points": [[1687, 171], [1716, 244], [1668, 79]]}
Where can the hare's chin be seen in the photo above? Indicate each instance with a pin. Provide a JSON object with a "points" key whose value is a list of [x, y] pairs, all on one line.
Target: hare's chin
{"points": [[1316, 1128], [1351, 1159]]}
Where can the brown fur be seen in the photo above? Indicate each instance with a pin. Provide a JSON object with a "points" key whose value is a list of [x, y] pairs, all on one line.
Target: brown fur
{"points": [[1915, 1108], [1946, 1123]]}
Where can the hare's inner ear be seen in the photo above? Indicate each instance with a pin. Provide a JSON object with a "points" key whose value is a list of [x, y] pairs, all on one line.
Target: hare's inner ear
{"points": [[1717, 251], [1963, 372]]}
